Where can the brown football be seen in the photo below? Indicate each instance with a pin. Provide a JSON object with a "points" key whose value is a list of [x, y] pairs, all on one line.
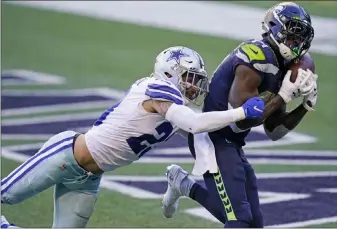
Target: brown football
{"points": [[305, 62]]}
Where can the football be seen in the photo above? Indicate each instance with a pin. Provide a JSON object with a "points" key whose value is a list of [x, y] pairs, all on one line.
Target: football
{"points": [[305, 62]]}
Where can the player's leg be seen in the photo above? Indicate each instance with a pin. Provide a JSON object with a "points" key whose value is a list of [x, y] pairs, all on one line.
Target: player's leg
{"points": [[227, 187], [202, 195], [178, 184], [73, 208], [252, 194], [75, 197], [39, 172]]}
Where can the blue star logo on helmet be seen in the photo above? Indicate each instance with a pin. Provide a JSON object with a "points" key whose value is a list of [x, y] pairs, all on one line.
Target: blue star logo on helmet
{"points": [[176, 55]]}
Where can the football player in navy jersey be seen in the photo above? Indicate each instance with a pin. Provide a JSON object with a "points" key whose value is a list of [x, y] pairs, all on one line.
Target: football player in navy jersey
{"points": [[254, 68]]}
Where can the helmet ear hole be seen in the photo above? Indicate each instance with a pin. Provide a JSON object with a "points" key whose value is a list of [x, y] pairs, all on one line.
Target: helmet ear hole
{"points": [[272, 24], [168, 75]]}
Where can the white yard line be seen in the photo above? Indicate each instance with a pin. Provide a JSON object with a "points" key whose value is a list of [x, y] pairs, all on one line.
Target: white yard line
{"points": [[309, 222], [328, 190], [203, 213], [217, 19], [10, 113], [107, 93], [32, 77], [135, 178]]}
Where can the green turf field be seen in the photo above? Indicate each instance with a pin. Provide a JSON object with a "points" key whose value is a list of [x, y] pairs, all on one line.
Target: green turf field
{"points": [[94, 53], [319, 8]]}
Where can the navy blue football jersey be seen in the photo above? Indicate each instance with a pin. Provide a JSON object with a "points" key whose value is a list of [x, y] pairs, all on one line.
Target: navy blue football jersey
{"points": [[257, 55]]}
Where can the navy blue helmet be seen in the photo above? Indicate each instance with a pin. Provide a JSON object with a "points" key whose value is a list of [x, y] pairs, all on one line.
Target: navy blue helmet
{"points": [[288, 25]]}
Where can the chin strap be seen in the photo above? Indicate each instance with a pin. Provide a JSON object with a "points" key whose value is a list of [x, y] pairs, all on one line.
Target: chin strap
{"points": [[285, 51]]}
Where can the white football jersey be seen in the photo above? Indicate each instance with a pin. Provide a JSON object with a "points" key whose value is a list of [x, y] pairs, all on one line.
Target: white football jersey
{"points": [[125, 131]]}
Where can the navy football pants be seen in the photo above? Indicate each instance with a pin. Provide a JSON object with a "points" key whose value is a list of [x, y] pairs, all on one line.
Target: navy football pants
{"points": [[230, 195]]}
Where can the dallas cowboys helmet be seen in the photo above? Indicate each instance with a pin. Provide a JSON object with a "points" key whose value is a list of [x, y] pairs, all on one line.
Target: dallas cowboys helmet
{"points": [[185, 68], [288, 26]]}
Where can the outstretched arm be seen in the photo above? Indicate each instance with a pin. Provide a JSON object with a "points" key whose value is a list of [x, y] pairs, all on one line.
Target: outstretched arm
{"points": [[192, 122]]}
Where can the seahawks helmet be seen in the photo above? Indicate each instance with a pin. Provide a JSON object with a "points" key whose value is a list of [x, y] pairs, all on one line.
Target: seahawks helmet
{"points": [[288, 26], [185, 68]]}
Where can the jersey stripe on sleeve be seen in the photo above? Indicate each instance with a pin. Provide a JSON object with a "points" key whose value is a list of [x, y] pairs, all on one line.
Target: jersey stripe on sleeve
{"points": [[164, 93]]}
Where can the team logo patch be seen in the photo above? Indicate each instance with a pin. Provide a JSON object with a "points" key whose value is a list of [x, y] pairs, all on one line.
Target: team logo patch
{"points": [[176, 55]]}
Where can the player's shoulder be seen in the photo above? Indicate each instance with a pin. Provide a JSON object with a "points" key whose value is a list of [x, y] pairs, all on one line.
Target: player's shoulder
{"points": [[259, 55], [162, 90]]}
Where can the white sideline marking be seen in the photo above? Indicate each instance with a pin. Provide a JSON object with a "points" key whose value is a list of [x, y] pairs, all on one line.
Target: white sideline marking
{"points": [[108, 93], [262, 161], [132, 191], [329, 190], [50, 118], [35, 78], [258, 175], [201, 212], [13, 155], [259, 152], [216, 18], [309, 222], [103, 91], [276, 197], [56, 108]]}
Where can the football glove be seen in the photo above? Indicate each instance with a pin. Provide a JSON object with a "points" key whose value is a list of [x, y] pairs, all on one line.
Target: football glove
{"points": [[308, 86], [309, 101], [290, 91], [253, 108]]}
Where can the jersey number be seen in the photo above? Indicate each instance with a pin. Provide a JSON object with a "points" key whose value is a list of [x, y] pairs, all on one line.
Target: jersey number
{"points": [[142, 144]]}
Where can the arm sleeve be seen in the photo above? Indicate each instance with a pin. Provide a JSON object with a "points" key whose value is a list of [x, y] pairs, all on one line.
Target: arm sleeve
{"points": [[193, 122], [278, 133]]}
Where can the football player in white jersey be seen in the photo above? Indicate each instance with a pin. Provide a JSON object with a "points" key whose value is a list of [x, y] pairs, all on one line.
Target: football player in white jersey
{"points": [[153, 109]]}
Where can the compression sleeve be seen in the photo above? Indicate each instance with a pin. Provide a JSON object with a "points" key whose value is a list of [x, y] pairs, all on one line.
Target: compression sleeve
{"points": [[190, 121], [278, 133]]}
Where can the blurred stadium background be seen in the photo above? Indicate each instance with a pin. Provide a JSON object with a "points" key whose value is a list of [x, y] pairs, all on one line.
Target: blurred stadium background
{"points": [[63, 63]]}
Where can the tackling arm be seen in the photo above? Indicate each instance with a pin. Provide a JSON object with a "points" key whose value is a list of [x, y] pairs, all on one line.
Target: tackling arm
{"points": [[192, 122], [244, 87]]}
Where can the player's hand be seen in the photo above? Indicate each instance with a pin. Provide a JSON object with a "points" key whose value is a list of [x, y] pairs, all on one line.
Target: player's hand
{"points": [[309, 101], [253, 107], [289, 90], [306, 87]]}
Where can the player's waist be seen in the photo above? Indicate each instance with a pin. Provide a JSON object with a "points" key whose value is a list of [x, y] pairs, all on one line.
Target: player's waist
{"points": [[83, 156], [230, 137], [109, 153]]}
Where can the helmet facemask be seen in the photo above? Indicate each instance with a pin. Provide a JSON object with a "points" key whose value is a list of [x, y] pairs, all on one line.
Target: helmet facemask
{"points": [[193, 84], [297, 35]]}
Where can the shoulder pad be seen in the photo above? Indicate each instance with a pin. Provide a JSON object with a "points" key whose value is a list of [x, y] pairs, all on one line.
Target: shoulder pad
{"points": [[164, 91], [259, 55]]}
